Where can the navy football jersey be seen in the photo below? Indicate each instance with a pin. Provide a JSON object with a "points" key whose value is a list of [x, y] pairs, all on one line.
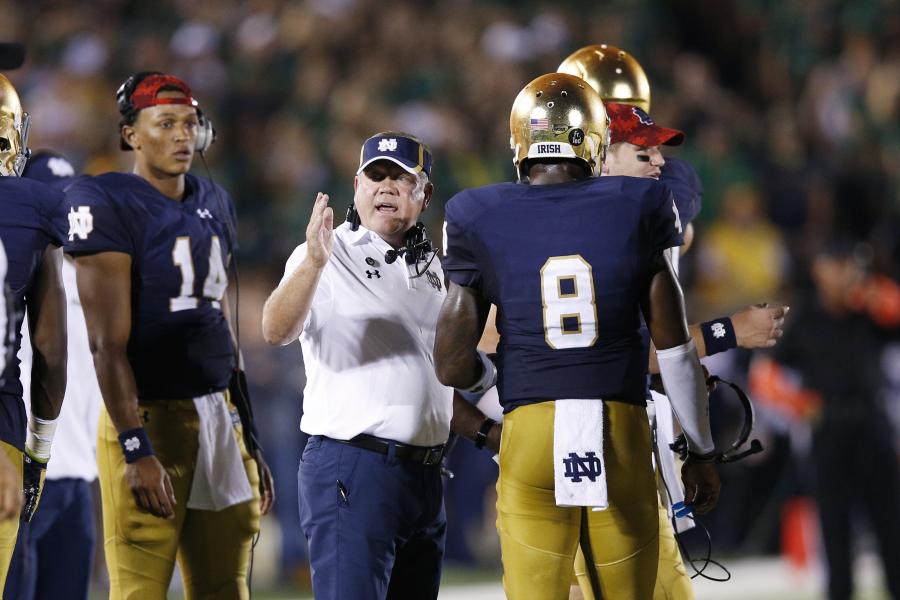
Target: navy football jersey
{"points": [[180, 344], [32, 216], [567, 266], [685, 184]]}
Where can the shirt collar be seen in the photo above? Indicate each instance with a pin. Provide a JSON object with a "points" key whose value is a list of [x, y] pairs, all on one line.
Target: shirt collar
{"points": [[360, 236], [364, 236]]}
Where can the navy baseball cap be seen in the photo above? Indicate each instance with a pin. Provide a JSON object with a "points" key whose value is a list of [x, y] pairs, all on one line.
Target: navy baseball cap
{"points": [[50, 168], [400, 148]]}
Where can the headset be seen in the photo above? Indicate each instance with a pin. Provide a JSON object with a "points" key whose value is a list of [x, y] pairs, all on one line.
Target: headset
{"points": [[206, 133], [734, 452], [416, 247]]}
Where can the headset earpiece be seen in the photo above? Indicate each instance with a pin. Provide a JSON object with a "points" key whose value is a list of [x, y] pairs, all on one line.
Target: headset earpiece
{"points": [[206, 133]]}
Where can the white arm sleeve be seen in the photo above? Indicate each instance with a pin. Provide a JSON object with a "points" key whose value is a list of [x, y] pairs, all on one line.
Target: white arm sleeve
{"points": [[683, 379]]}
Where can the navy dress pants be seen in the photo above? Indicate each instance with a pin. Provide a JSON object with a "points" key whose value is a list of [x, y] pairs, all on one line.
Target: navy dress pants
{"points": [[375, 524]]}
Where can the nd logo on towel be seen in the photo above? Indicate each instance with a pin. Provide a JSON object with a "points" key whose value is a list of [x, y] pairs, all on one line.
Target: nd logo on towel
{"points": [[582, 466]]}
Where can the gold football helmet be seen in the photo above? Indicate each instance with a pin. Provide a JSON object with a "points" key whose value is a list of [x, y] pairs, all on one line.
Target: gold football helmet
{"points": [[558, 116], [14, 125], [614, 73]]}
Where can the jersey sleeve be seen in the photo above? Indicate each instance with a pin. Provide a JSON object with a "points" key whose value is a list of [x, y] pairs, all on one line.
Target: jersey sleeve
{"points": [[229, 214], [685, 184], [53, 216], [97, 223], [321, 306], [459, 262], [664, 221]]}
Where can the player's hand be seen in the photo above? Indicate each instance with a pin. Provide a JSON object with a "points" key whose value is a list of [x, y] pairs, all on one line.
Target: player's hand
{"points": [[759, 326], [266, 483], [151, 486], [11, 497], [701, 484], [320, 232], [33, 473]]}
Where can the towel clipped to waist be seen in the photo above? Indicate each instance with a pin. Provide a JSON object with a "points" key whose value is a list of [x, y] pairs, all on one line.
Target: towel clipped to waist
{"points": [[579, 470], [220, 479]]}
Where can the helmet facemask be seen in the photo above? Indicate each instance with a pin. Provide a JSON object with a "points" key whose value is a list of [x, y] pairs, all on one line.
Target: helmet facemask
{"points": [[14, 126]]}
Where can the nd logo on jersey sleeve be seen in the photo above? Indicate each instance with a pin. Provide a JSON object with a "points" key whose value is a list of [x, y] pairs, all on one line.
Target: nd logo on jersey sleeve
{"points": [[81, 222]]}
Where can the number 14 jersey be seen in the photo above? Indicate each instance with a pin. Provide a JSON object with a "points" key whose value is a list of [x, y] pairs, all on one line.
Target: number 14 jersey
{"points": [[180, 344], [567, 266]]}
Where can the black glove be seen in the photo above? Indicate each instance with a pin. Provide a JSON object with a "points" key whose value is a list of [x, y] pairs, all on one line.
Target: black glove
{"points": [[33, 474]]}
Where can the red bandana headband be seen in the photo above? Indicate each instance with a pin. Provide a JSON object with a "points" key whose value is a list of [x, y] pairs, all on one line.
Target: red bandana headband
{"points": [[145, 94]]}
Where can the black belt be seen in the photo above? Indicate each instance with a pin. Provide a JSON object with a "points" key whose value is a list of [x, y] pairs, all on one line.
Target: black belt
{"points": [[418, 454]]}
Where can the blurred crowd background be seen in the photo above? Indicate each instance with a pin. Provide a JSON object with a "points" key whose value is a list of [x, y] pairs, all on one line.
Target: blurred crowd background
{"points": [[792, 115]]}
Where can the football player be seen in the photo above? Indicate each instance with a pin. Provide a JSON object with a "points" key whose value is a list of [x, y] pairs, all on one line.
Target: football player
{"points": [[571, 260], [151, 250], [32, 227], [55, 552], [10, 479], [621, 82]]}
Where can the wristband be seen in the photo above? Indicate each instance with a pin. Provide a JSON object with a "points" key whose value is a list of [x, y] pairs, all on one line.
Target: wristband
{"points": [[482, 433], [40, 437], [488, 376], [135, 444], [718, 335]]}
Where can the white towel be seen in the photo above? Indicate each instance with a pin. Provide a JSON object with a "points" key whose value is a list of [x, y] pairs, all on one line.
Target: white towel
{"points": [[220, 479], [665, 435], [578, 467]]}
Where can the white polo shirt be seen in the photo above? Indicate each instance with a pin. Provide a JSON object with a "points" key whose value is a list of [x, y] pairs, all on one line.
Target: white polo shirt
{"points": [[74, 447], [368, 346]]}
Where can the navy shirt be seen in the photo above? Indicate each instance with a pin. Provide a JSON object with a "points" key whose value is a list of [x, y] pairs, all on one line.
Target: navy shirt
{"points": [[32, 216], [685, 184], [180, 344], [567, 266]]}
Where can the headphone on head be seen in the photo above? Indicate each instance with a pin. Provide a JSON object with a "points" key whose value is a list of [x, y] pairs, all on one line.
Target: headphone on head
{"points": [[206, 133]]}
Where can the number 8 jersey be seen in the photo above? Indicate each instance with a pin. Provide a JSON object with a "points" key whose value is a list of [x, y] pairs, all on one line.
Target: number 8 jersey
{"points": [[567, 266], [180, 344]]}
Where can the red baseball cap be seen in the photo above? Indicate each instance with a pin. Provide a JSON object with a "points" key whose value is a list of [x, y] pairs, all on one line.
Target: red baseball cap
{"points": [[631, 124], [146, 92]]}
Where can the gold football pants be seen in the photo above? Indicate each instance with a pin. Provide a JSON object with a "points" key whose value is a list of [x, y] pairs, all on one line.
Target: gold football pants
{"points": [[538, 538], [672, 581], [9, 529], [212, 547]]}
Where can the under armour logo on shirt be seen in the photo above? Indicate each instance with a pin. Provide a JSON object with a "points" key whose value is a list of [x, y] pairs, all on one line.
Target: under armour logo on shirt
{"points": [[204, 213], [587, 466], [371, 274], [718, 330]]}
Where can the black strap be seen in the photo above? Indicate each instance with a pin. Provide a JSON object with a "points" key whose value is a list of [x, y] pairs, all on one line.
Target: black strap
{"points": [[426, 455], [482, 434]]}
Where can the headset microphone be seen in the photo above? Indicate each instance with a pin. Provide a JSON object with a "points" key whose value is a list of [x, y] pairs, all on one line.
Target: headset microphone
{"points": [[416, 248]]}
